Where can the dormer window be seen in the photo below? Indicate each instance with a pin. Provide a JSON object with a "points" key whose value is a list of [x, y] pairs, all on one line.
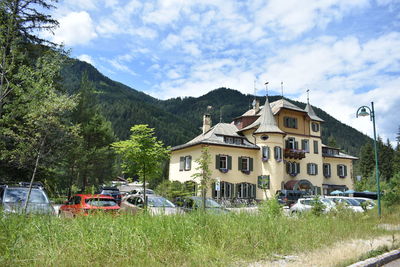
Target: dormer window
{"points": [[238, 141], [290, 122], [315, 127], [229, 140]]}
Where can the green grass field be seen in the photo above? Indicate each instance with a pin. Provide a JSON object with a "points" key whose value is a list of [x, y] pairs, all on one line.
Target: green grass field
{"points": [[186, 240]]}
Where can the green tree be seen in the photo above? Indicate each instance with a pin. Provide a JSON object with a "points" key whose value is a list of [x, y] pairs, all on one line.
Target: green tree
{"points": [[142, 153], [386, 157], [203, 173], [20, 22], [95, 162], [332, 141], [367, 161], [34, 126]]}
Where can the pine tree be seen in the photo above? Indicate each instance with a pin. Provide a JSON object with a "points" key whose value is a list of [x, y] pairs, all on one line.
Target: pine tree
{"points": [[367, 161], [95, 165], [386, 161]]}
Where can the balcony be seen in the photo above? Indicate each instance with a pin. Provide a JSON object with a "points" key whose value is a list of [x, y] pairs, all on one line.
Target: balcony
{"points": [[294, 153]]}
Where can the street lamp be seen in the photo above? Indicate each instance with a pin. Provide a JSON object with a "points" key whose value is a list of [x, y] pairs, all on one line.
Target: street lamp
{"points": [[362, 111]]}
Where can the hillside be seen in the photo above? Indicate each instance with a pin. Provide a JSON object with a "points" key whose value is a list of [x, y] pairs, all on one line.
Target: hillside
{"points": [[178, 120]]}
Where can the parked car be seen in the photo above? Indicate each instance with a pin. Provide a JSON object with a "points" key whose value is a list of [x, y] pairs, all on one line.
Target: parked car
{"points": [[289, 197], [195, 203], [370, 204], [111, 191], [84, 204], [156, 205], [306, 204], [348, 202], [139, 191], [14, 197]]}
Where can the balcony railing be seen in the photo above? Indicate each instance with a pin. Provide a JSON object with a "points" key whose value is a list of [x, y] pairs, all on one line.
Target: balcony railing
{"points": [[294, 153]]}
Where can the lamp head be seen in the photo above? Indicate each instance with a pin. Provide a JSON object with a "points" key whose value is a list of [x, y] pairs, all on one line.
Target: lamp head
{"points": [[363, 112]]}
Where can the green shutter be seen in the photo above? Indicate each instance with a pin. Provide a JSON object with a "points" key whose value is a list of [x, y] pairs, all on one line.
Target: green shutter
{"points": [[253, 190], [288, 167], [181, 163], [308, 168], [338, 170], [229, 163], [217, 161], [190, 162], [345, 170], [316, 169], [213, 191], [298, 167], [296, 145], [303, 145], [240, 163], [251, 164]]}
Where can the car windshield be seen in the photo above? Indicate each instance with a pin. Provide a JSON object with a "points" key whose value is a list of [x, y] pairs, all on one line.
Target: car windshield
{"points": [[101, 202], [327, 201], [110, 192], [15, 195], [160, 202], [352, 202], [209, 203]]}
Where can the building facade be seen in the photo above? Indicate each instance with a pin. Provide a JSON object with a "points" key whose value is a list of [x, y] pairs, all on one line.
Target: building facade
{"points": [[269, 148]]}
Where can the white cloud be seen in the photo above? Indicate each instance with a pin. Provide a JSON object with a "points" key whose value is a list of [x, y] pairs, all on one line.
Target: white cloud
{"points": [[291, 18], [86, 58], [76, 28]]}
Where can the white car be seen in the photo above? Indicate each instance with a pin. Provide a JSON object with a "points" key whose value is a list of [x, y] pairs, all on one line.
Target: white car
{"points": [[369, 202], [348, 202], [156, 205], [306, 204]]}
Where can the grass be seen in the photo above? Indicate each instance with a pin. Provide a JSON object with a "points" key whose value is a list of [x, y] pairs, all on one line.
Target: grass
{"points": [[185, 240]]}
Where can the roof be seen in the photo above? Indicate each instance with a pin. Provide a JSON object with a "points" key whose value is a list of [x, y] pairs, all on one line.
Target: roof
{"points": [[266, 123], [340, 155], [216, 136], [311, 113], [283, 103]]}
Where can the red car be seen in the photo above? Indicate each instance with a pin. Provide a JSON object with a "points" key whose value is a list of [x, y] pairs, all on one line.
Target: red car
{"points": [[83, 204]]}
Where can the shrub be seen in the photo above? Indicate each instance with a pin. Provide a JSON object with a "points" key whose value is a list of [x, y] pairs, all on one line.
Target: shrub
{"points": [[318, 207]]}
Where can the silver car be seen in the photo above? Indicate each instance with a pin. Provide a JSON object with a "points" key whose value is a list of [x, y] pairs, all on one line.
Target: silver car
{"points": [[306, 204]]}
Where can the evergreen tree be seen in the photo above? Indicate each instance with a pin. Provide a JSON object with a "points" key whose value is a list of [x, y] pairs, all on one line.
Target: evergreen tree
{"points": [[367, 161], [20, 22], [386, 158], [96, 158], [332, 141]]}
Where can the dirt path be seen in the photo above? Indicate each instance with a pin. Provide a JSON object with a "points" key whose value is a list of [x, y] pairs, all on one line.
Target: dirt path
{"points": [[331, 256]]}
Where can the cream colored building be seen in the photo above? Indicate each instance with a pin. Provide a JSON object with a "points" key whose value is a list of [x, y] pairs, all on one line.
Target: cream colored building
{"points": [[274, 147]]}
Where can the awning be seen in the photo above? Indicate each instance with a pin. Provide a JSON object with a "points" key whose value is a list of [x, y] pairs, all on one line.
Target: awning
{"points": [[298, 185]]}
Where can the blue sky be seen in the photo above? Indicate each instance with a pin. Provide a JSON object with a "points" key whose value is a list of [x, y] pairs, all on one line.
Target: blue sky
{"points": [[346, 52]]}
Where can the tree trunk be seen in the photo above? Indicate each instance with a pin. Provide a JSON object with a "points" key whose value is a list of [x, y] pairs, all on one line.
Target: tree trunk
{"points": [[33, 175]]}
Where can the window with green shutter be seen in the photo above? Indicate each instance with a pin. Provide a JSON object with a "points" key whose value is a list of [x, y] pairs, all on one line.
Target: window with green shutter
{"points": [[315, 147], [181, 163]]}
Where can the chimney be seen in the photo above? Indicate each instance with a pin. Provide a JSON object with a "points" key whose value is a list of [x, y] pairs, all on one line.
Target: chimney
{"points": [[206, 123], [257, 106]]}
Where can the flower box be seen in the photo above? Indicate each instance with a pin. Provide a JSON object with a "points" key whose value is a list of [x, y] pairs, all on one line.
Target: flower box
{"points": [[223, 170]]}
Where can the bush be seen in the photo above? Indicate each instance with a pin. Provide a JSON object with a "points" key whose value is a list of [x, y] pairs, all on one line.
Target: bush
{"points": [[318, 207], [271, 208], [392, 194]]}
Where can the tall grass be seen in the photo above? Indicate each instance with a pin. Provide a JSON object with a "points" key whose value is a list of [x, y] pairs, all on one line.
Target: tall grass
{"points": [[183, 240]]}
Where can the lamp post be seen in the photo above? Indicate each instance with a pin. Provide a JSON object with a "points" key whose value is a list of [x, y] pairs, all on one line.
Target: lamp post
{"points": [[362, 111]]}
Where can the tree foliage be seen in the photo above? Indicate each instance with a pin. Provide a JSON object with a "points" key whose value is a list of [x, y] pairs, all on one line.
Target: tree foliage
{"points": [[203, 174]]}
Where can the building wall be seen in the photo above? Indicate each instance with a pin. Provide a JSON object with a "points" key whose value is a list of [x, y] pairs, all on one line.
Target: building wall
{"points": [[276, 169]]}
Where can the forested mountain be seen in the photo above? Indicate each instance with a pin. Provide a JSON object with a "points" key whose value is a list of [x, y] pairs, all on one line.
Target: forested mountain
{"points": [[178, 120]]}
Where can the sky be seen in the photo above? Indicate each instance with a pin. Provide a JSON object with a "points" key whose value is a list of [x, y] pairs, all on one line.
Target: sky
{"points": [[347, 53]]}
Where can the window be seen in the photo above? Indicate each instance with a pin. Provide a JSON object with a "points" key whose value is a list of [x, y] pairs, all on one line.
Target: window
{"points": [[265, 153], [342, 170], [315, 147], [291, 143], [226, 190], [229, 140], [315, 127], [278, 153], [312, 169], [238, 141], [245, 164], [293, 168], [185, 163], [246, 190], [290, 122], [305, 145], [327, 170], [223, 162]]}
